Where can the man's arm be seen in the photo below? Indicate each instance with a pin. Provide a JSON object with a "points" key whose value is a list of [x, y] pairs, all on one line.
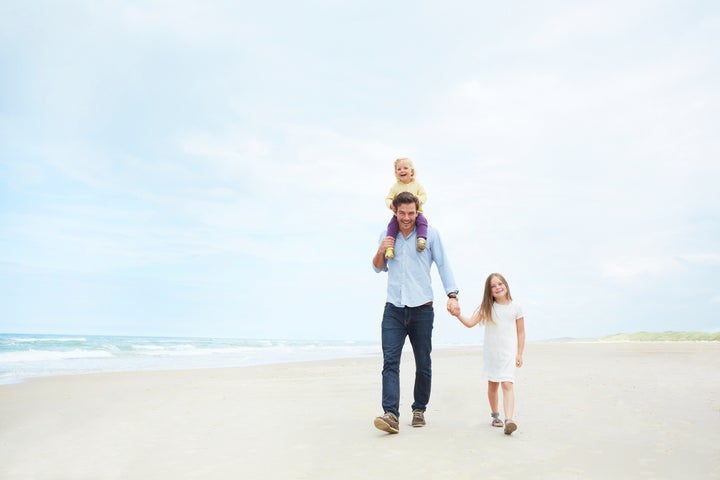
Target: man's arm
{"points": [[446, 274], [379, 258], [440, 259]]}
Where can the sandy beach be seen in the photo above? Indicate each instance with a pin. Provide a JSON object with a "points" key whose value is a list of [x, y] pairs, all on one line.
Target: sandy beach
{"points": [[584, 411]]}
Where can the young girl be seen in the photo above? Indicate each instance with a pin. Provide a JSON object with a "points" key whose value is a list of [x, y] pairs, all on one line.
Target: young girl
{"points": [[405, 175], [503, 345]]}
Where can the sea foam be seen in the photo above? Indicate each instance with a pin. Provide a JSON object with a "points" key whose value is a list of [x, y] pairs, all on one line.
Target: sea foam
{"points": [[27, 356]]}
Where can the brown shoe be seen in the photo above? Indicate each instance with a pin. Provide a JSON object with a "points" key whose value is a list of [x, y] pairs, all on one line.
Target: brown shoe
{"points": [[421, 244], [510, 426], [418, 418], [387, 422]]}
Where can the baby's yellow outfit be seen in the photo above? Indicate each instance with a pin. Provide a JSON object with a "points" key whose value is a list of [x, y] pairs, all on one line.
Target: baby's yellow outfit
{"points": [[413, 187]]}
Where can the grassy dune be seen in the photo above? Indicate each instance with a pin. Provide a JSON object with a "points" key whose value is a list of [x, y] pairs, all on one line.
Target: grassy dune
{"points": [[663, 337]]}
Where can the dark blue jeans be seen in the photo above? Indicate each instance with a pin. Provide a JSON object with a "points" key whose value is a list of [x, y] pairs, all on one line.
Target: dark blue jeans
{"points": [[397, 324]]}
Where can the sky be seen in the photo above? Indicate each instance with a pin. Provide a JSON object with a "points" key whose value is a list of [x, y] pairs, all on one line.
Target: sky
{"points": [[219, 168]]}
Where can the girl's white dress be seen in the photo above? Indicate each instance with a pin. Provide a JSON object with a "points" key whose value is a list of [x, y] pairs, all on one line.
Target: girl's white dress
{"points": [[500, 343]]}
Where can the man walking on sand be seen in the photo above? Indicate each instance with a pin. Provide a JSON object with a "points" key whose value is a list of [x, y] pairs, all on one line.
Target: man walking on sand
{"points": [[409, 310]]}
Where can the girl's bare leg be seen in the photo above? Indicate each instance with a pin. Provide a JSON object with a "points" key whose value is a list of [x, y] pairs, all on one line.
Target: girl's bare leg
{"points": [[493, 396], [508, 399]]}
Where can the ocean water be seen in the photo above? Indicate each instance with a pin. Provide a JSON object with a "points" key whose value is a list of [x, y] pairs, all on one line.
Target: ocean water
{"points": [[23, 356]]}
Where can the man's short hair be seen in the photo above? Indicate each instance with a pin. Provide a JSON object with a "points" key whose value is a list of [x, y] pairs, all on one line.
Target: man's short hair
{"points": [[404, 198]]}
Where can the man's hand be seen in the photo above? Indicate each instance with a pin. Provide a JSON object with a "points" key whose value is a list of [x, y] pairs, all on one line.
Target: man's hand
{"points": [[453, 306], [386, 243], [379, 258]]}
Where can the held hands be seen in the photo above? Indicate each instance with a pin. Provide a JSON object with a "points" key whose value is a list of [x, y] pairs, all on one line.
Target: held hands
{"points": [[453, 307]]}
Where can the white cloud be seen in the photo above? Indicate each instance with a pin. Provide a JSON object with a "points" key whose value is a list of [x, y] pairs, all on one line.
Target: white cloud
{"points": [[639, 266], [583, 21], [301, 164], [217, 23], [627, 268], [702, 258]]}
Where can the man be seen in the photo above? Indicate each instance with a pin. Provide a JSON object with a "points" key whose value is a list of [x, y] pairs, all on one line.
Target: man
{"points": [[409, 310]]}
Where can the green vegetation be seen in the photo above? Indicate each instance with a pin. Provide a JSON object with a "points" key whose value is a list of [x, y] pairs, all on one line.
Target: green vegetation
{"points": [[663, 337]]}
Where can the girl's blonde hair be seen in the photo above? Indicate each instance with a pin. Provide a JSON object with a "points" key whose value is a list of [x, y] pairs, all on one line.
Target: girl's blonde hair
{"points": [[486, 307], [404, 159]]}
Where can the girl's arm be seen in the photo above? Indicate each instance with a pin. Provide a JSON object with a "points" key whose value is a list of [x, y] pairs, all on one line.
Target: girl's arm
{"points": [[469, 321], [520, 325]]}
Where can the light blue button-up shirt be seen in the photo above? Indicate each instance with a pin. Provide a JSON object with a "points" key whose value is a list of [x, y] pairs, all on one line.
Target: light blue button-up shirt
{"points": [[409, 283]]}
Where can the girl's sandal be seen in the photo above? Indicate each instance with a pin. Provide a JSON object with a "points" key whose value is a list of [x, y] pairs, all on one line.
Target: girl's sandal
{"points": [[496, 422], [510, 426]]}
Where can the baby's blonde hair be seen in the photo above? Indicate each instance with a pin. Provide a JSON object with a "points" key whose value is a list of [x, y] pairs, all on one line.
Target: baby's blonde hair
{"points": [[404, 159]]}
